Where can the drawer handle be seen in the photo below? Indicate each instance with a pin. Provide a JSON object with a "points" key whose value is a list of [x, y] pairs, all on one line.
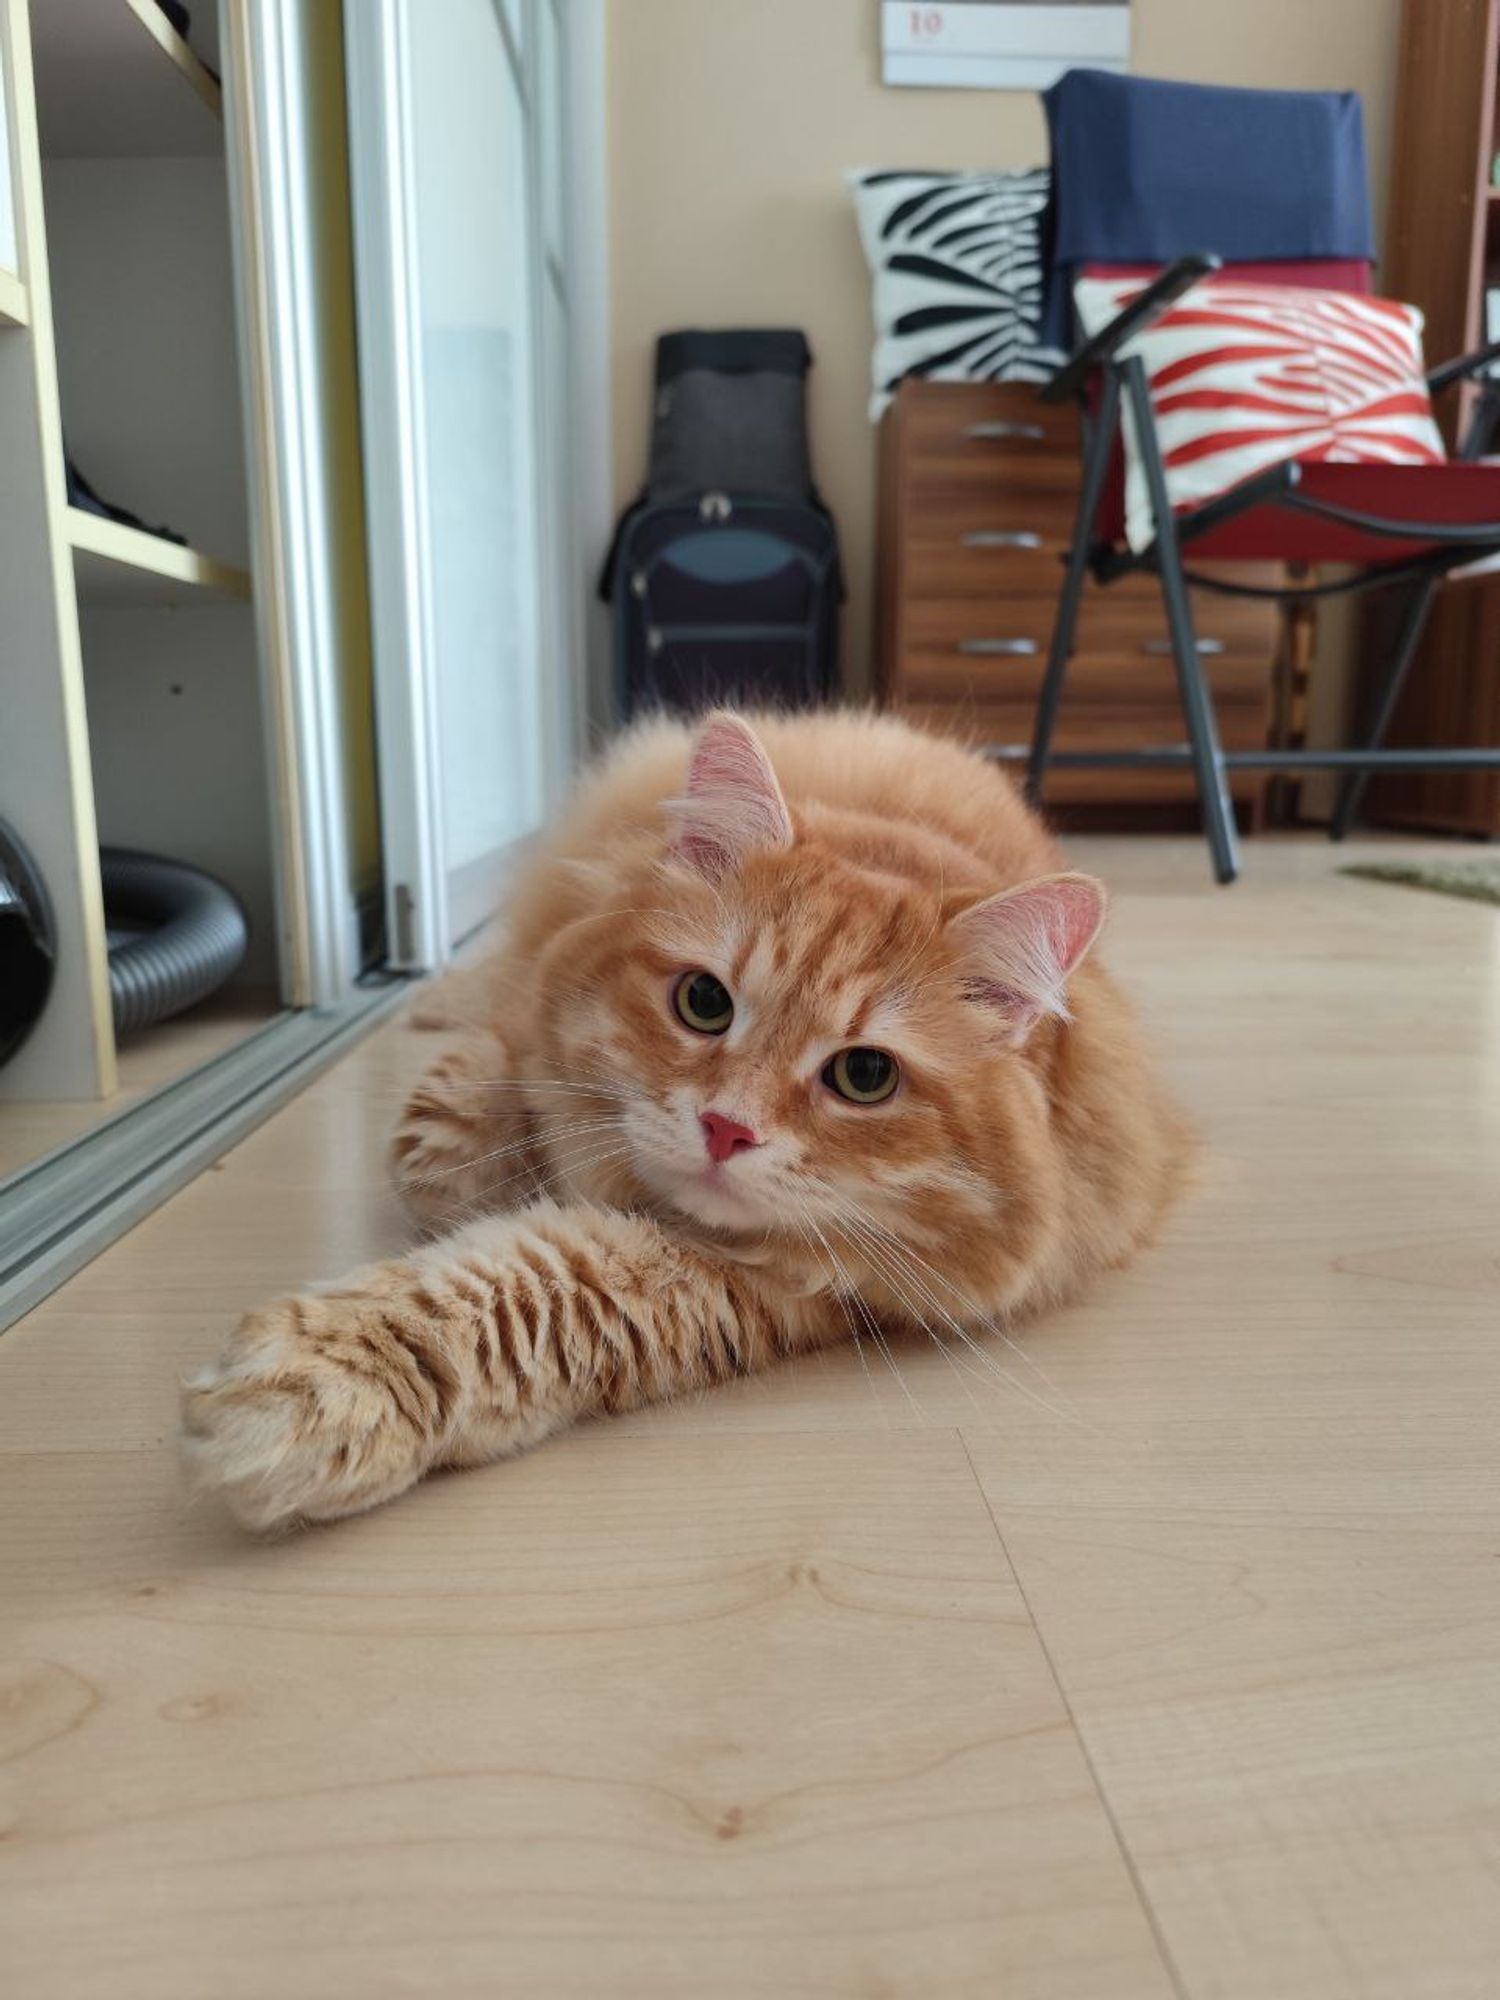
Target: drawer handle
{"points": [[998, 538], [1019, 649], [1208, 647], [1035, 433]]}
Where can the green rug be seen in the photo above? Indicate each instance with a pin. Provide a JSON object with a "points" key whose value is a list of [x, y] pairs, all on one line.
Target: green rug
{"points": [[1478, 880]]}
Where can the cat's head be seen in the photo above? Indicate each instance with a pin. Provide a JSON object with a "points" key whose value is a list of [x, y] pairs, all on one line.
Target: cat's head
{"points": [[797, 1035]]}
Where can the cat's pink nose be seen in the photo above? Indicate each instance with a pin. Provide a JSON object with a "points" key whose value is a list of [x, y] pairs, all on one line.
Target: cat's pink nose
{"points": [[725, 1137]]}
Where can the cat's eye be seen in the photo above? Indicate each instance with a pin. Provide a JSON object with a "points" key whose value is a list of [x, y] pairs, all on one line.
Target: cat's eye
{"points": [[702, 1003], [862, 1076]]}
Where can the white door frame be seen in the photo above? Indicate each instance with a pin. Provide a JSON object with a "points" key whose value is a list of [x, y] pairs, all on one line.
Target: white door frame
{"points": [[586, 195], [386, 292], [292, 485]]}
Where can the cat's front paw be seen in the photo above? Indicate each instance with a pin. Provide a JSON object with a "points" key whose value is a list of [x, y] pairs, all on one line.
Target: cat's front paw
{"points": [[315, 1410]]}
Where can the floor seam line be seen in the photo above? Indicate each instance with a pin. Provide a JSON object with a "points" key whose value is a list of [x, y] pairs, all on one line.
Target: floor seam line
{"points": [[1137, 1883]]}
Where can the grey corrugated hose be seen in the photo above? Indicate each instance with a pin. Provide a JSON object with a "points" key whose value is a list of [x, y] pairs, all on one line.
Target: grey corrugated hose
{"points": [[193, 937]]}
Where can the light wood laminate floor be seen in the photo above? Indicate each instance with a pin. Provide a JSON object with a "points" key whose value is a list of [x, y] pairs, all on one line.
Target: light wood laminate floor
{"points": [[829, 1685]]}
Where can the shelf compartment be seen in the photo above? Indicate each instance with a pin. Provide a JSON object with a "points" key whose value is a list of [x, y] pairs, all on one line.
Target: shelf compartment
{"points": [[115, 80], [15, 308], [119, 566]]}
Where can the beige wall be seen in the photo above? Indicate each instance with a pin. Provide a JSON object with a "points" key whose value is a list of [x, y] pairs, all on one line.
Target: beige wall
{"points": [[731, 122]]}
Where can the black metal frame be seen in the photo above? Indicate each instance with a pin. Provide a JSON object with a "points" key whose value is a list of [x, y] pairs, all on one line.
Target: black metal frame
{"points": [[1099, 360]]}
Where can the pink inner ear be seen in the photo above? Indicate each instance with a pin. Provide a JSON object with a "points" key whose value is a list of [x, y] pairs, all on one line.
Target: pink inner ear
{"points": [[1077, 910], [1025, 943], [733, 805]]}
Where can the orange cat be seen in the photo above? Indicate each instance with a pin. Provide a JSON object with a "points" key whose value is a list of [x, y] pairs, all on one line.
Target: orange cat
{"points": [[790, 1035]]}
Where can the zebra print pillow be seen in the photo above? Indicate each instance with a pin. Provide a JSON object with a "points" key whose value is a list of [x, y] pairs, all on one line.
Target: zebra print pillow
{"points": [[957, 265]]}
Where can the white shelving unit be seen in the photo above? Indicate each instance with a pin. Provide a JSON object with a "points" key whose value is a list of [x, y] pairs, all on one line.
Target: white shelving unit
{"points": [[115, 80], [116, 565], [45, 768], [137, 682]]}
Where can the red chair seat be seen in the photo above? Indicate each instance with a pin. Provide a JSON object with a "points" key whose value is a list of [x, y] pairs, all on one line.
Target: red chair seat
{"points": [[1461, 491], [1458, 493]]}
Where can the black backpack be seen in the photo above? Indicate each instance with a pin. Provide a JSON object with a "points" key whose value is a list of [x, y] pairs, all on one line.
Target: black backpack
{"points": [[724, 573]]}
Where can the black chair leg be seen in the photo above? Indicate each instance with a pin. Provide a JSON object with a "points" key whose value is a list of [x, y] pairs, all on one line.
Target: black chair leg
{"points": [[1059, 653], [1197, 704], [1408, 635], [1101, 440]]}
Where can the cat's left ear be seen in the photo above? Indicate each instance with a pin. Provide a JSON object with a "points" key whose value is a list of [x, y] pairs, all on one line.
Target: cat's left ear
{"points": [[1022, 946], [733, 806]]}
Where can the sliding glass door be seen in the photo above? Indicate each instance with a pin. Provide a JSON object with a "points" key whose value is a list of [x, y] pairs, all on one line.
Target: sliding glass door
{"points": [[451, 116]]}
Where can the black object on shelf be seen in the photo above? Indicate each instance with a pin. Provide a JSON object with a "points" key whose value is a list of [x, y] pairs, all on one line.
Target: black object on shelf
{"points": [[28, 944], [182, 21], [82, 495]]}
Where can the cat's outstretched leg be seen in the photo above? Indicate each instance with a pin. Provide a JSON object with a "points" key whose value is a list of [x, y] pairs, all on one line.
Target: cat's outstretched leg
{"points": [[468, 1350], [464, 1142]]}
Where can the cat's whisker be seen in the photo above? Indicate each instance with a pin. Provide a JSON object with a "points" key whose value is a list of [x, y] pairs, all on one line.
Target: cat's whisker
{"points": [[430, 1180], [577, 1165], [583, 1129], [882, 1346], [532, 1139], [986, 1320], [957, 1362], [959, 1367], [565, 1087], [574, 1067], [476, 1207], [483, 1200], [962, 1368], [529, 1084], [886, 1255], [877, 1253], [552, 1164], [806, 1235], [600, 1085]]}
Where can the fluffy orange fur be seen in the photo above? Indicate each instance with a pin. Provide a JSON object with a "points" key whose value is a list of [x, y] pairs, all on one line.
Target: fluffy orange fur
{"points": [[848, 883]]}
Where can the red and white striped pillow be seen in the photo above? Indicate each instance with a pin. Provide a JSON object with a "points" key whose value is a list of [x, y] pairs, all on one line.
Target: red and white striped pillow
{"points": [[1243, 376]]}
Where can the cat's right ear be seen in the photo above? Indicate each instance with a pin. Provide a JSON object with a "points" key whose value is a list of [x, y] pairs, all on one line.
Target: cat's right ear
{"points": [[733, 805], [1022, 946]]}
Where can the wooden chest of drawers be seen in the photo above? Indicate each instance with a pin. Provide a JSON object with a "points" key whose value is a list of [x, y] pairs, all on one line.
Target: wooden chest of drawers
{"points": [[979, 484]]}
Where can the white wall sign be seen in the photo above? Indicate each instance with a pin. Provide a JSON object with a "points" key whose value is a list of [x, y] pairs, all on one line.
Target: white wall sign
{"points": [[1000, 44]]}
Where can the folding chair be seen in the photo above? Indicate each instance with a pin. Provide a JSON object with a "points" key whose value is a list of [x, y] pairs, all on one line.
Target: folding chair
{"points": [[1136, 162]]}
